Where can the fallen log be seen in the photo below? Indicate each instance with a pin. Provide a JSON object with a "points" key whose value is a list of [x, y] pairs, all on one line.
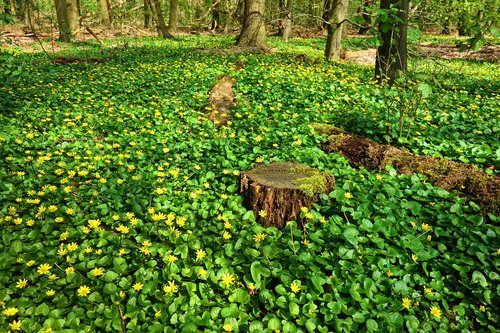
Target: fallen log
{"points": [[277, 192], [221, 101], [466, 179]]}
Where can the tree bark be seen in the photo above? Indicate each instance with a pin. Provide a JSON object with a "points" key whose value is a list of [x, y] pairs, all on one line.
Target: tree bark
{"points": [[173, 14], [253, 31], [215, 15], [161, 27], [392, 55], [105, 13], [285, 22], [336, 21], [277, 192], [62, 21], [147, 14], [367, 20], [72, 14]]}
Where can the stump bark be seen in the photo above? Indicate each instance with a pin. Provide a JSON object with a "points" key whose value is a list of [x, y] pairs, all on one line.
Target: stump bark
{"points": [[276, 192], [466, 179]]}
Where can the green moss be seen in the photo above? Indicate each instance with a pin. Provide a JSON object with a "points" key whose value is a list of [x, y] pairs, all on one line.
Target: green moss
{"points": [[326, 129], [313, 184]]}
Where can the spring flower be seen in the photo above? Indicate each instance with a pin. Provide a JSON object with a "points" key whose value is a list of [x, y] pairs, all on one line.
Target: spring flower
{"points": [[137, 286], [202, 272], [158, 314], [50, 292], [200, 254], [15, 325], [69, 270], [262, 213], [21, 283], [170, 287], [171, 259], [228, 279], [228, 327], [72, 246], [44, 269], [98, 271], [429, 292], [295, 287], [10, 311], [259, 237], [435, 311], [406, 303], [83, 291], [426, 227], [414, 257], [348, 195], [226, 235]]}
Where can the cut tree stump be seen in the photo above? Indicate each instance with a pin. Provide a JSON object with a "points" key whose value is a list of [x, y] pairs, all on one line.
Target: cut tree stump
{"points": [[466, 179], [276, 192], [221, 101]]}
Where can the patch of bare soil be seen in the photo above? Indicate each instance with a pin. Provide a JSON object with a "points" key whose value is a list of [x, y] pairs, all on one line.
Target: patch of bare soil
{"points": [[64, 61], [221, 101], [490, 53], [363, 57], [464, 178], [241, 49]]}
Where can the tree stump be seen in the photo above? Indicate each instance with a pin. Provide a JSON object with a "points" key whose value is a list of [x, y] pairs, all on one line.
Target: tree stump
{"points": [[276, 192]]}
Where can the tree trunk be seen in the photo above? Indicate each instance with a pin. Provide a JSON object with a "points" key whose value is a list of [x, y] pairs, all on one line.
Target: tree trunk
{"points": [[147, 14], [105, 13], [159, 19], [367, 20], [173, 17], [336, 21], [393, 53], [325, 16], [62, 21], [285, 22], [277, 192], [215, 15], [72, 16], [253, 31]]}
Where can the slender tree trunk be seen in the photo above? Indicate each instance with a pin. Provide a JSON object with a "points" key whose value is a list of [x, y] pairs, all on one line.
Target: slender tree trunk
{"points": [[325, 16], [285, 22], [159, 19], [253, 32], [336, 22], [215, 15], [393, 53], [367, 20], [147, 14], [62, 21], [173, 17], [72, 16], [105, 13]]}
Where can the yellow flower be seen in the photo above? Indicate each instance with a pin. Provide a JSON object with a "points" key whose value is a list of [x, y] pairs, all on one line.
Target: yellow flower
{"points": [[429, 237], [429, 291], [170, 287], [226, 235], [389, 273], [498, 251], [259, 237], [228, 327], [72, 246], [44, 269], [83, 291], [137, 286], [21, 283], [482, 308], [414, 257], [251, 287], [158, 314], [295, 287], [31, 263], [426, 227], [304, 209], [262, 213], [171, 259], [98, 271], [69, 270], [202, 272], [228, 279], [10, 311], [379, 177], [406, 303], [50, 292], [348, 195], [122, 294], [200, 254], [435, 311], [15, 325]]}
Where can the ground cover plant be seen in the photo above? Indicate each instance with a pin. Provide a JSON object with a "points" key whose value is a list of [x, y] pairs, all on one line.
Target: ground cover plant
{"points": [[119, 209]]}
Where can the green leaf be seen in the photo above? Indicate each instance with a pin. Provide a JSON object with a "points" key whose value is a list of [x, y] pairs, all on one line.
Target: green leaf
{"points": [[110, 288], [110, 276], [478, 277], [350, 235], [239, 296], [274, 324], [371, 325], [255, 269], [120, 265], [294, 309]]}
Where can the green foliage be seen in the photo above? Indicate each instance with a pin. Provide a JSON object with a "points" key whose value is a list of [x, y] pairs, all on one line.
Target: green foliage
{"points": [[120, 209]]}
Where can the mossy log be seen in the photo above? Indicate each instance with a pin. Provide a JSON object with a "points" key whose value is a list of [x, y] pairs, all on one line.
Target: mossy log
{"points": [[276, 192], [221, 101], [467, 179]]}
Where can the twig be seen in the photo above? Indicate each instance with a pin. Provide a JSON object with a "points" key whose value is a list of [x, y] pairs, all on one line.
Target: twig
{"points": [[93, 34]]}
